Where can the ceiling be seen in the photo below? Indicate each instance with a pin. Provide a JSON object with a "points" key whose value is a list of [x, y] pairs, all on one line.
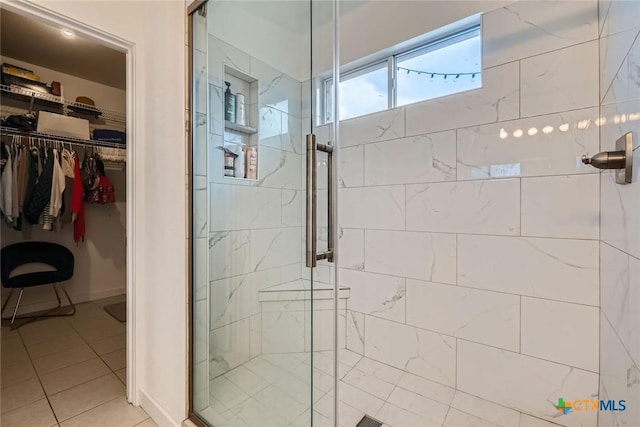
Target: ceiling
{"points": [[41, 44]]}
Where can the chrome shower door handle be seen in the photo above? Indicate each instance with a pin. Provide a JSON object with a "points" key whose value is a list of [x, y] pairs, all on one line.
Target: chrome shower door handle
{"points": [[312, 255]]}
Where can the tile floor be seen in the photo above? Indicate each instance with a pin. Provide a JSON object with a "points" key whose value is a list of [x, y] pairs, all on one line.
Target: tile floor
{"points": [[272, 390], [67, 372]]}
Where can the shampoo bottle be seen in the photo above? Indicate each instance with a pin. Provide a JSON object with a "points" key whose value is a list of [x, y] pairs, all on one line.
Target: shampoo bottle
{"points": [[229, 104]]}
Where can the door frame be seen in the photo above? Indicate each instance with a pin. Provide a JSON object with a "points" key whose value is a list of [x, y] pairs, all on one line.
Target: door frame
{"points": [[48, 16]]}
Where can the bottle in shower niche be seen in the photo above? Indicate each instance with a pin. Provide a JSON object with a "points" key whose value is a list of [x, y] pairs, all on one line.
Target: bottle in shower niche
{"points": [[241, 117], [229, 104], [251, 163]]}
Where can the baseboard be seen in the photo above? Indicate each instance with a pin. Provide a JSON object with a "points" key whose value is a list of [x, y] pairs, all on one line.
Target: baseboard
{"points": [[45, 305], [157, 412]]}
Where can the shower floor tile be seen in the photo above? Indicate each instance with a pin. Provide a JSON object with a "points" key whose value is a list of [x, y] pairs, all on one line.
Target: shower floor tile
{"points": [[273, 390]]}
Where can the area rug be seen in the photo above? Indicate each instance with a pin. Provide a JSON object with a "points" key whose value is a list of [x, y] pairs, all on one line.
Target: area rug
{"points": [[118, 311]]}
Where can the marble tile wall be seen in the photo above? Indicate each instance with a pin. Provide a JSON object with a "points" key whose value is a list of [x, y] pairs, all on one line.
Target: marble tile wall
{"points": [[620, 213], [253, 229], [470, 228]]}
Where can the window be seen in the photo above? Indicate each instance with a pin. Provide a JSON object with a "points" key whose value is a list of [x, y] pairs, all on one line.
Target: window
{"points": [[442, 66]]}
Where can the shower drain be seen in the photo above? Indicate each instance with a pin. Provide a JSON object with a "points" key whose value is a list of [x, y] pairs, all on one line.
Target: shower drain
{"points": [[367, 421]]}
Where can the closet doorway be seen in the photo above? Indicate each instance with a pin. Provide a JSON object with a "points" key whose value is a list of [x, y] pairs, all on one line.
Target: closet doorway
{"points": [[64, 96]]}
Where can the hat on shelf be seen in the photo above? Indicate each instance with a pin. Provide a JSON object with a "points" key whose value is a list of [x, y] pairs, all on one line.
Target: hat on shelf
{"points": [[85, 105]]}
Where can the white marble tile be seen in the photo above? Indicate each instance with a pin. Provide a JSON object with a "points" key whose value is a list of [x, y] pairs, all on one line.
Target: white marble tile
{"points": [[200, 208], [529, 421], [292, 136], [220, 54], [275, 247], [292, 208], [525, 29], [414, 350], [228, 347], [322, 322], [226, 392], [492, 151], [426, 388], [277, 88], [619, 379], [236, 298], [359, 399], [634, 330], [615, 291], [485, 410], [200, 268], [620, 211], [561, 206], [283, 332], [482, 207], [564, 270], [625, 85], [525, 383], [351, 243], [375, 294], [355, 331], [351, 170], [456, 418], [416, 255], [381, 208], [620, 17], [200, 82], [269, 129], [397, 416], [566, 79], [236, 207], [368, 383], [487, 317], [579, 322], [613, 56], [279, 169], [497, 100], [429, 410], [200, 145], [228, 254], [418, 159], [620, 118], [216, 113], [382, 126]]}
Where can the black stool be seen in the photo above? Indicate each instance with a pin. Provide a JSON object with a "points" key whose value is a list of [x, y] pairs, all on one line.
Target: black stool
{"points": [[51, 254]]}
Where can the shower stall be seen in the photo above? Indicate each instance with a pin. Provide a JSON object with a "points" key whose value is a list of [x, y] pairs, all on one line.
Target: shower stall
{"points": [[392, 222]]}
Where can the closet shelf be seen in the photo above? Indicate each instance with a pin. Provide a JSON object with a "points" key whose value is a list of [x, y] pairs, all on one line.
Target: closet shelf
{"points": [[240, 128], [24, 92], [57, 138], [110, 115]]}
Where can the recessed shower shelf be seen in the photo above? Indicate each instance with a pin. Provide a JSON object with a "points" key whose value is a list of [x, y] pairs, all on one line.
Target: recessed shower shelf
{"points": [[240, 128]]}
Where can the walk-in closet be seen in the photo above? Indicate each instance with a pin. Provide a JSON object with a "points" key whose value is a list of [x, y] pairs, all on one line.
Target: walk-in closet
{"points": [[63, 224]]}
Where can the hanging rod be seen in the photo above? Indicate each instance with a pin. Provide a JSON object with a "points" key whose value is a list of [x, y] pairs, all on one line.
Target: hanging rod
{"points": [[65, 139]]}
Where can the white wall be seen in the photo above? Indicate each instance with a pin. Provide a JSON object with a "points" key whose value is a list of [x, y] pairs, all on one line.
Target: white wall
{"points": [[157, 29], [100, 269], [620, 221], [487, 246]]}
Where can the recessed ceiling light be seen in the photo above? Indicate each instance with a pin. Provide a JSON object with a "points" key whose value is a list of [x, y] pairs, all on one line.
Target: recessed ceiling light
{"points": [[68, 33]]}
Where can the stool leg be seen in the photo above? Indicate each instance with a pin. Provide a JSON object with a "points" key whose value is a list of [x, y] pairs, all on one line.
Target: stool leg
{"points": [[15, 311]]}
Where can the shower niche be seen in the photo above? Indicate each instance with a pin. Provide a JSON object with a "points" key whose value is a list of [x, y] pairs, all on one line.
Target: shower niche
{"points": [[240, 109]]}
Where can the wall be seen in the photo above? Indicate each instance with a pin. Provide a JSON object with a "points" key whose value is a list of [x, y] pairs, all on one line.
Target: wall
{"points": [[100, 269], [473, 260], [620, 206], [159, 179]]}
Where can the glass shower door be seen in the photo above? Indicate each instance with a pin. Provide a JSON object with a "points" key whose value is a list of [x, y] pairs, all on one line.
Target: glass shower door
{"points": [[258, 322]]}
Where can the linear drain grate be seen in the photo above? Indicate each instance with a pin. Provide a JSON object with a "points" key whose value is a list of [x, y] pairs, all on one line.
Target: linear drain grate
{"points": [[367, 421]]}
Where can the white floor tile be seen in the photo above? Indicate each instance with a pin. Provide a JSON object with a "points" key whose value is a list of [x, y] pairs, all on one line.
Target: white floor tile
{"points": [[115, 413], [65, 378], [79, 399], [37, 414]]}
